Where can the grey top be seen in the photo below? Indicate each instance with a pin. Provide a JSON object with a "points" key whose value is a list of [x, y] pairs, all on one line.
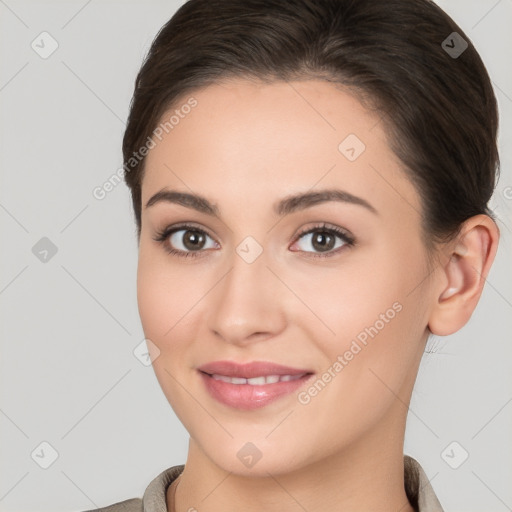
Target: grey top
{"points": [[417, 487]]}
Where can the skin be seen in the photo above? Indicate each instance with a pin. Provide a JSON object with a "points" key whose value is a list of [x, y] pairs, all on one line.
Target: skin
{"points": [[245, 146]]}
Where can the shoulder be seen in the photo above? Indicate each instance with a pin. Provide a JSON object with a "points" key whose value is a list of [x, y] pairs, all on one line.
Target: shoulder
{"points": [[154, 498], [418, 488], [132, 505]]}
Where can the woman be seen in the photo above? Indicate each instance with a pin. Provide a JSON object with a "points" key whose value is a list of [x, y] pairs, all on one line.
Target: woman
{"points": [[310, 182]]}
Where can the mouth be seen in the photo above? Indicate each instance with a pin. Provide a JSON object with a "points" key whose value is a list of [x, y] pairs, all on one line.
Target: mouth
{"points": [[254, 369], [256, 381], [251, 385]]}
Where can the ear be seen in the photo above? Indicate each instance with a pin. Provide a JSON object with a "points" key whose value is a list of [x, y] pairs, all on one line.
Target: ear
{"points": [[460, 282]]}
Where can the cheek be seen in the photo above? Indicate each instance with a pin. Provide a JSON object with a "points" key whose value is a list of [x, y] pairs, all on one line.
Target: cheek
{"points": [[165, 295], [370, 311], [170, 300], [153, 301], [342, 303], [370, 360], [165, 305]]}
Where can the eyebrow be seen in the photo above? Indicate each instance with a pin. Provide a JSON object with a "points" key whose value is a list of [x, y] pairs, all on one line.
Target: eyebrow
{"points": [[285, 206]]}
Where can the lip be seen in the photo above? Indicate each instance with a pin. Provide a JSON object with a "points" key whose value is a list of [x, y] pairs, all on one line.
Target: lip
{"points": [[250, 370], [248, 396]]}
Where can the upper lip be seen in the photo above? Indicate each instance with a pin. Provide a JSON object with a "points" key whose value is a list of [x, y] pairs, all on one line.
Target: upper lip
{"points": [[249, 370]]}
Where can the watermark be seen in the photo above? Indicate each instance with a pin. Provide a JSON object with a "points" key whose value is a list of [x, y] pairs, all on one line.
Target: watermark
{"points": [[249, 455], [44, 250], [44, 45], [249, 249], [173, 121], [166, 126], [101, 192], [455, 455], [44, 455], [304, 397], [146, 352], [507, 192], [454, 45], [351, 147]]}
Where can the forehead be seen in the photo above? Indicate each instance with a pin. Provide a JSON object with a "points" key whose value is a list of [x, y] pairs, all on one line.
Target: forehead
{"points": [[251, 141]]}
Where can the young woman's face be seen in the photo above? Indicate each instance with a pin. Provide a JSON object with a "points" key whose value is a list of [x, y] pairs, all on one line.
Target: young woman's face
{"points": [[251, 282]]}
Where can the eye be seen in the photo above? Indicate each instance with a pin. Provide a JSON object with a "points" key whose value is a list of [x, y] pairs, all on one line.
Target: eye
{"points": [[185, 240], [322, 238]]}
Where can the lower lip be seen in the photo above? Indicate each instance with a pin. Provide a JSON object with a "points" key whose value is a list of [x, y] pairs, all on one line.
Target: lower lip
{"points": [[247, 396]]}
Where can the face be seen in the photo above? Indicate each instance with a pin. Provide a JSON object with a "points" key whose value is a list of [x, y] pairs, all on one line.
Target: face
{"points": [[332, 285]]}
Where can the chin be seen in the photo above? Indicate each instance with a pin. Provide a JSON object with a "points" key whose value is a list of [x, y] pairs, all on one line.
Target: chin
{"points": [[257, 459]]}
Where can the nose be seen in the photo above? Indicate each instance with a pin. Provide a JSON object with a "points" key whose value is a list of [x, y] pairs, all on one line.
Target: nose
{"points": [[247, 304]]}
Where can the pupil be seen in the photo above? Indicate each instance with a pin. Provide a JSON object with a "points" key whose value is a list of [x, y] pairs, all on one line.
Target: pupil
{"points": [[321, 241], [193, 239]]}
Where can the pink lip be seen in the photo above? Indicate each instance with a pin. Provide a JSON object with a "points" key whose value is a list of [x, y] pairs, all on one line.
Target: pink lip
{"points": [[249, 370], [248, 396]]}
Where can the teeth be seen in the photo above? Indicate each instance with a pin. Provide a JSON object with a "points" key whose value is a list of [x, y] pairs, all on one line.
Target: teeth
{"points": [[257, 381]]}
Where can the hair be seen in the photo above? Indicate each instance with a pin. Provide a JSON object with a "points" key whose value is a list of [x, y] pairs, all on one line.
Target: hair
{"points": [[439, 109]]}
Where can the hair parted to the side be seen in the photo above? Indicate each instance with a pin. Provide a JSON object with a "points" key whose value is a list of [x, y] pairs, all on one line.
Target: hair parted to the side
{"points": [[440, 112]]}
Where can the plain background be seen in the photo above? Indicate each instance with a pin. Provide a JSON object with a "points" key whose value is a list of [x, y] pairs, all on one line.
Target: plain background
{"points": [[70, 325]]}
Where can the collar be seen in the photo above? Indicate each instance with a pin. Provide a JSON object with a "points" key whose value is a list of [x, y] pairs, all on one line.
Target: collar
{"points": [[417, 487]]}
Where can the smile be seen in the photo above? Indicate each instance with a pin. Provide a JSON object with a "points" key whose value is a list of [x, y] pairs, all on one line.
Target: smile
{"points": [[254, 392], [257, 381]]}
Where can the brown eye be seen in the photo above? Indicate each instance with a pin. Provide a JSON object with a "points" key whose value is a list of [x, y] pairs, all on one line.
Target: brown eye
{"points": [[191, 240], [185, 240], [322, 239]]}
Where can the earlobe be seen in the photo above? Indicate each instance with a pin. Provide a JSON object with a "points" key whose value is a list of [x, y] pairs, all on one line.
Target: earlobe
{"points": [[462, 279]]}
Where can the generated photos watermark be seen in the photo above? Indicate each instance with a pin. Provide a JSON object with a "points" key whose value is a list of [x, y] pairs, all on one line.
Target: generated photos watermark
{"points": [[165, 127], [356, 346]]}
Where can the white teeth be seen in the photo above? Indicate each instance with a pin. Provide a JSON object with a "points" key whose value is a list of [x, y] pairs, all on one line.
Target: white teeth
{"points": [[257, 381], [222, 378]]}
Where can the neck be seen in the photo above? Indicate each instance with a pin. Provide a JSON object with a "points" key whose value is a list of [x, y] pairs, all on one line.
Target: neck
{"points": [[368, 475]]}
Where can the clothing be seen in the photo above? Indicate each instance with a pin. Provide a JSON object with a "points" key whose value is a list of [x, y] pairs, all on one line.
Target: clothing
{"points": [[417, 487]]}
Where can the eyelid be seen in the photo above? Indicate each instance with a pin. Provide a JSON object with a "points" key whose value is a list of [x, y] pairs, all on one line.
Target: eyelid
{"points": [[339, 231], [172, 228]]}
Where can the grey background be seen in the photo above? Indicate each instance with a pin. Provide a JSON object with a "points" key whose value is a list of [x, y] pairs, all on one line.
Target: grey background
{"points": [[70, 325]]}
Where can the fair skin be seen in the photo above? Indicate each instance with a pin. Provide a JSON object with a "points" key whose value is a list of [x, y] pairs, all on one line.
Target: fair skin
{"points": [[244, 147]]}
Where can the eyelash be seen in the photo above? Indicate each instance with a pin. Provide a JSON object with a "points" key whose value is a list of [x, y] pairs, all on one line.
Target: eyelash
{"points": [[164, 234]]}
